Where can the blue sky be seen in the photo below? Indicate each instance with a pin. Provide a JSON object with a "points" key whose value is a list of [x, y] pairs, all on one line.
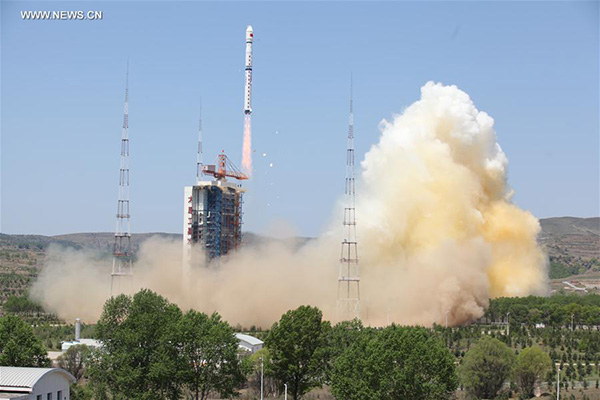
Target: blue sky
{"points": [[532, 66]]}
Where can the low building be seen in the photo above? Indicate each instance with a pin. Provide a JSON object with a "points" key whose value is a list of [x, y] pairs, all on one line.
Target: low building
{"points": [[79, 340], [249, 343], [88, 342], [20, 383]]}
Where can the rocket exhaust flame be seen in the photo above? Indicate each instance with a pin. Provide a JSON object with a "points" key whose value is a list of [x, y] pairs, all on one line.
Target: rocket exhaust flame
{"points": [[247, 147], [439, 235]]}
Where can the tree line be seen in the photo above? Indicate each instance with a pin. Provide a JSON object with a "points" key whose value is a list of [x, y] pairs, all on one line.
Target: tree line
{"points": [[557, 310], [151, 349], [22, 305]]}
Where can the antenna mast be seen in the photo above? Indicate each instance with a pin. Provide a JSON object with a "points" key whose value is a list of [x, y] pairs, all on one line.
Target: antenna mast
{"points": [[122, 271], [199, 162], [348, 297]]}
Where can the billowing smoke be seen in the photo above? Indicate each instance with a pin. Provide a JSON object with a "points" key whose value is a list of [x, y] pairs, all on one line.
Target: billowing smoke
{"points": [[254, 286], [438, 236], [439, 233], [247, 145]]}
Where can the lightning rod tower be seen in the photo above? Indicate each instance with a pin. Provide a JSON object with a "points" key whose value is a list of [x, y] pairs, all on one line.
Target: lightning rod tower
{"points": [[199, 161], [348, 296], [122, 271]]}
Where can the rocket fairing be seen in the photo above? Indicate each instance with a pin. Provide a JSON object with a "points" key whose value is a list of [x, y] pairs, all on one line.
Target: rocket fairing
{"points": [[248, 87]]}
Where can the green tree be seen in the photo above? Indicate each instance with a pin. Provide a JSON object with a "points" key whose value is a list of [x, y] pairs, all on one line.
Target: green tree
{"points": [[342, 336], [74, 360], [298, 348], [531, 365], [394, 363], [137, 361], [252, 369], [82, 392], [207, 349], [19, 347], [486, 366]]}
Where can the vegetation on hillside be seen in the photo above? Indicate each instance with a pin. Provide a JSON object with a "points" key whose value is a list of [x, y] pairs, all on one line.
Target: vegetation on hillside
{"points": [[557, 310]]}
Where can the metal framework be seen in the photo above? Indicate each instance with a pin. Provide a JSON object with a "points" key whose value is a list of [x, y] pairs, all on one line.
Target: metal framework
{"points": [[199, 163], [122, 271], [348, 296], [215, 217], [213, 210]]}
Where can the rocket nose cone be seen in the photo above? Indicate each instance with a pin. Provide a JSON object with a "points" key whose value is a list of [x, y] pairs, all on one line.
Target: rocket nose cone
{"points": [[249, 29]]}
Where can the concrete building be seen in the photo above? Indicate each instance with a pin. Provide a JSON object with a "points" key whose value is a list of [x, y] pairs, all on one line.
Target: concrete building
{"points": [[18, 383], [212, 218], [249, 343]]}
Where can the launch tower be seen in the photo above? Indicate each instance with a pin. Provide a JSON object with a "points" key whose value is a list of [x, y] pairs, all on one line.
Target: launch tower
{"points": [[212, 209], [348, 296], [122, 271]]}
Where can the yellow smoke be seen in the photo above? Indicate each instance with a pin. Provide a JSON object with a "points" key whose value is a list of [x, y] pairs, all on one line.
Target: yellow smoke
{"points": [[438, 236], [438, 230]]}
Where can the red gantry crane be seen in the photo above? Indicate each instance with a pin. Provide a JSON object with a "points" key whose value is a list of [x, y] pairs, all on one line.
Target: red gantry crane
{"points": [[226, 169]]}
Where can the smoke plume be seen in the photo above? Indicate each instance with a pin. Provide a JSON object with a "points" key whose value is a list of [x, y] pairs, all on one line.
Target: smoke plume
{"points": [[438, 237], [439, 232]]}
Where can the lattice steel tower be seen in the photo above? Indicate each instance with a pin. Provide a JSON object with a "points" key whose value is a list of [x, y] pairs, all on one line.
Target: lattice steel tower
{"points": [[122, 271], [348, 297], [199, 161]]}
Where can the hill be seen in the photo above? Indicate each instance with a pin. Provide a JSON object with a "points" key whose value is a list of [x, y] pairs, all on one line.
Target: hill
{"points": [[103, 241], [572, 244], [570, 226]]}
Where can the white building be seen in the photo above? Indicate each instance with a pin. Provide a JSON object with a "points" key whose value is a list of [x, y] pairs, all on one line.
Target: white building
{"points": [[78, 340], [19, 383], [88, 342], [249, 343]]}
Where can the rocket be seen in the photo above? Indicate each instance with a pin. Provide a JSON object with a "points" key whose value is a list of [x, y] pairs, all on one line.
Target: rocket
{"points": [[248, 86]]}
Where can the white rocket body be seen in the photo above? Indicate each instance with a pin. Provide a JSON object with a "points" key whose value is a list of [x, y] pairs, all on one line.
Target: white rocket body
{"points": [[248, 87]]}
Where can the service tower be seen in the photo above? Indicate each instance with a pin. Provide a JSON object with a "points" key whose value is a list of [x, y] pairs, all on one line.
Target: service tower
{"points": [[212, 208]]}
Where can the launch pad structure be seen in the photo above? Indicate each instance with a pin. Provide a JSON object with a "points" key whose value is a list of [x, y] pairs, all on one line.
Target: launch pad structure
{"points": [[212, 209]]}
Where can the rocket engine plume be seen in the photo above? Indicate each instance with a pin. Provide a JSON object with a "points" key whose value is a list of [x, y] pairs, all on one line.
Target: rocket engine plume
{"points": [[247, 147], [439, 233]]}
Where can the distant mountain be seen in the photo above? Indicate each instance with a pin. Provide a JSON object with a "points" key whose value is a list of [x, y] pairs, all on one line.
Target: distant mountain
{"points": [[573, 245], [570, 226], [103, 241], [570, 236]]}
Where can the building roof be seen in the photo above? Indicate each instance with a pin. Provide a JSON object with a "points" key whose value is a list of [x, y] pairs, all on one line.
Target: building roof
{"points": [[87, 342], [249, 339], [24, 379]]}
